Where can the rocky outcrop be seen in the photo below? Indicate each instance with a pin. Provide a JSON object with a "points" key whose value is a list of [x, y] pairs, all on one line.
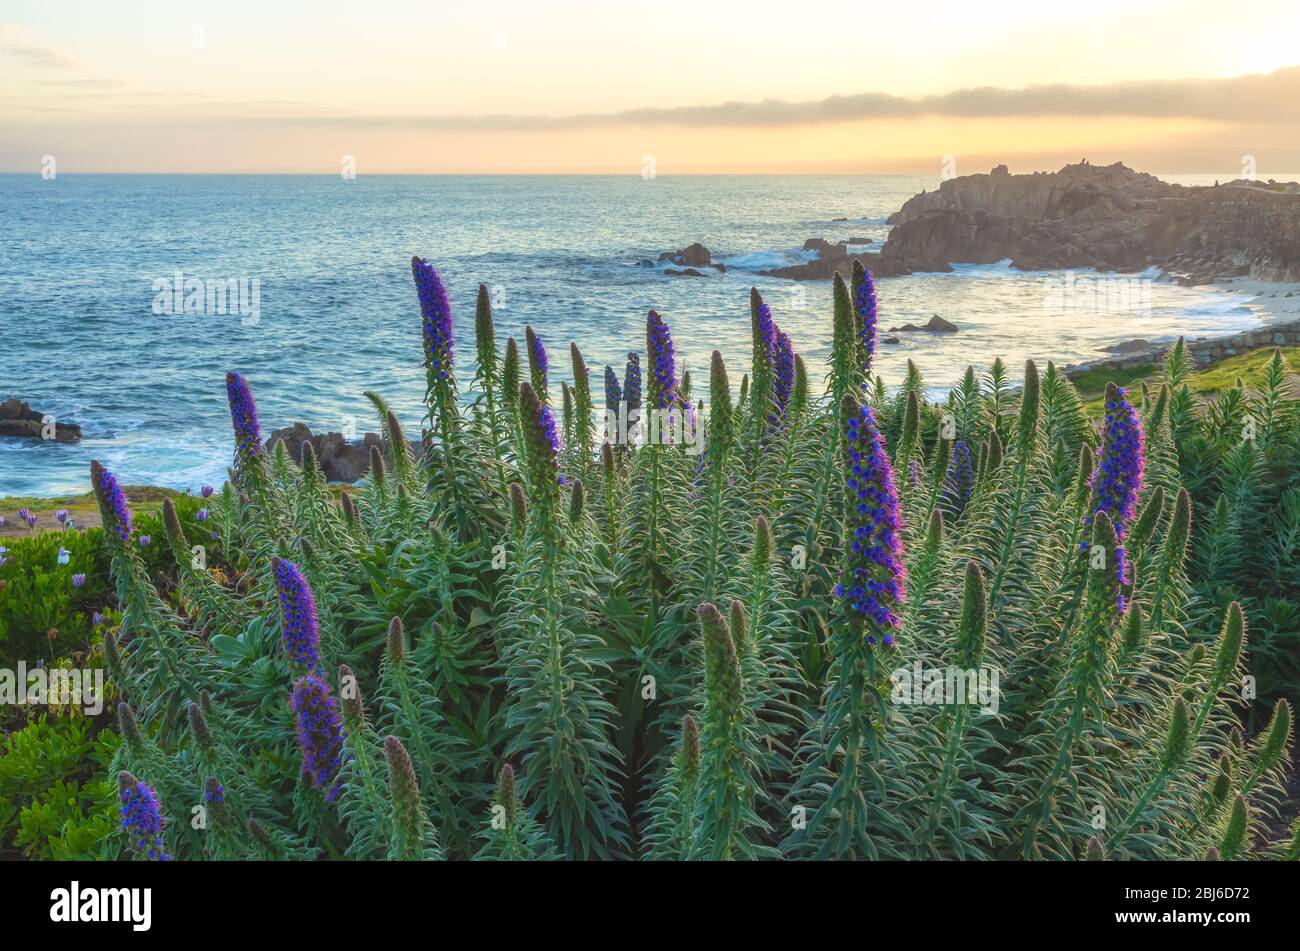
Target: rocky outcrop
{"points": [[19, 419], [1109, 218], [935, 324], [340, 460], [695, 255]]}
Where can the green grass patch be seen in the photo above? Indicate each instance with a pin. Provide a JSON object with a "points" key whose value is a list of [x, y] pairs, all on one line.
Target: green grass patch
{"points": [[1208, 382]]}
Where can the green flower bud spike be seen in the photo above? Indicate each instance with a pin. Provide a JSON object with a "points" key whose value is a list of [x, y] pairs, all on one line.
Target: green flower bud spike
{"points": [[412, 833], [1236, 833], [739, 621]]}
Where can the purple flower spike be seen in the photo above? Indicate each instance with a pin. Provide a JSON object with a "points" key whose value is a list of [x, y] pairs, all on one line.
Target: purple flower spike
{"points": [[613, 392], [435, 308], [538, 363], [767, 331], [1121, 462], [782, 372], [874, 581], [1118, 475], [543, 447], [320, 733], [78, 579], [864, 306], [114, 511], [632, 382], [243, 417], [960, 477], [299, 625], [547, 425], [663, 366], [142, 817]]}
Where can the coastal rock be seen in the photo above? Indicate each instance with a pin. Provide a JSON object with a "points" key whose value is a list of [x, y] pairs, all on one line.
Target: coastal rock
{"points": [[935, 324], [340, 460], [1105, 217], [694, 255], [682, 272], [17, 418]]}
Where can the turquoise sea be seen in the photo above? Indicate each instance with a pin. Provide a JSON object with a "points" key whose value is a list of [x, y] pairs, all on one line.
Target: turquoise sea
{"points": [[82, 335]]}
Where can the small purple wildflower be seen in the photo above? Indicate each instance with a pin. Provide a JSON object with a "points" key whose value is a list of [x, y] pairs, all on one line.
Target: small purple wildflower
{"points": [[96, 618], [206, 491], [115, 512], [320, 733], [145, 541], [142, 817], [61, 516], [299, 625], [201, 515], [874, 581], [435, 308], [79, 579], [31, 519]]}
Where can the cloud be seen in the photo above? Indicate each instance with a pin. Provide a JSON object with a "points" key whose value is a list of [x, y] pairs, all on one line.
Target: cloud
{"points": [[1264, 97], [17, 48]]}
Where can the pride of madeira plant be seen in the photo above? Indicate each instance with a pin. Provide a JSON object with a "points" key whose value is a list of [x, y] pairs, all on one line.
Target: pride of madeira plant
{"points": [[850, 625]]}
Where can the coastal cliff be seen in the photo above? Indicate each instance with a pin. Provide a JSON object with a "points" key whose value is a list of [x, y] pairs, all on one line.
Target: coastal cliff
{"points": [[1086, 216]]}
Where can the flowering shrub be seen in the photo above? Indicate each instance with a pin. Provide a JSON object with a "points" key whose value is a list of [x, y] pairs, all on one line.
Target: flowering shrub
{"points": [[510, 645]]}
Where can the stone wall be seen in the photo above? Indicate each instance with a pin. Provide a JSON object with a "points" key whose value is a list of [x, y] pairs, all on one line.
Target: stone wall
{"points": [[1203, 351]]}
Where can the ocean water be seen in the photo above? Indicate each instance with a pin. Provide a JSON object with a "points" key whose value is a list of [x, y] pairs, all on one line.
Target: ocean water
{"points": [[337, 314]]}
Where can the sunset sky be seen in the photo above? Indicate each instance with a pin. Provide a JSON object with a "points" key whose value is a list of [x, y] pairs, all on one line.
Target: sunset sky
{"points": [[571, 86]]}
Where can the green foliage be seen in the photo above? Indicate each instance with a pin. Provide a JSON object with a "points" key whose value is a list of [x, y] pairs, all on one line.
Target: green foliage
{"points": [[639, 652], [42, 615], [54, 800]]}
